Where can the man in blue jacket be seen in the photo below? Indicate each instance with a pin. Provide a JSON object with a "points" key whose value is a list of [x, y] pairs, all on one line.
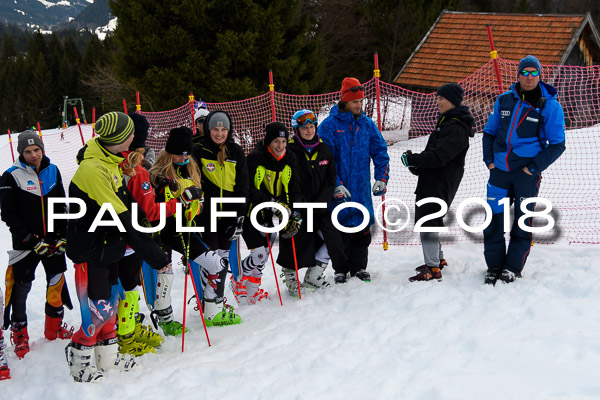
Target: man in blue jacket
{"points": [[523, 136], [354, 141]]}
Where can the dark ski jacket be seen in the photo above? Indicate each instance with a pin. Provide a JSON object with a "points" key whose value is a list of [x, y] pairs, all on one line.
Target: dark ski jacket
{"points": [[24, 197], [99, 180], [227, 180], [441, 165], [354, 142], [268, 183], [519, 134]]}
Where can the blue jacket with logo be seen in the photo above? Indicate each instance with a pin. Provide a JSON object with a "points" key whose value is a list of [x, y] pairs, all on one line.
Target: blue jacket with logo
{"points": [[510, 138], [354, 142]]}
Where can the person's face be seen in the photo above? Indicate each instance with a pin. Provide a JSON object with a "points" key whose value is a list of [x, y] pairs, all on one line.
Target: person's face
{"points": [[33, 155], [200, 125], [179, 158], [218, 134], [355, 106], [444, 105], [529, 82], [307, 132], [278, 146]]}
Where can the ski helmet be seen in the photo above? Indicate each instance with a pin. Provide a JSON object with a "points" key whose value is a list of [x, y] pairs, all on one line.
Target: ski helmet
{"points": [[303, 117]]}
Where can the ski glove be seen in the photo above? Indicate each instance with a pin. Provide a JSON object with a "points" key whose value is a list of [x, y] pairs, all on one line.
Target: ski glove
{"points": [[379, 188], [406, 158], [234, 232], [190, 194], [59, 247], [163, 181], [278, 214], [293, 226], [340, 193], [42, 248]]}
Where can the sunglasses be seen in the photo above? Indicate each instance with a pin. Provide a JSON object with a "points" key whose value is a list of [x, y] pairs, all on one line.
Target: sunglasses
{"points": [[200, 120], [355, 89], [306, 119], [533, 73]]}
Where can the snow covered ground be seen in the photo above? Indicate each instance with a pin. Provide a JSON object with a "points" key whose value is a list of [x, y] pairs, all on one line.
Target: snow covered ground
{"points": [[456, 339]]}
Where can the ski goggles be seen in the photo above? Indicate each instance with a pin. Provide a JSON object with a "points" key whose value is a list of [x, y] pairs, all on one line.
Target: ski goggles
{"points": [[200, 120], [354, 89], [532, 73], [309, 118]]}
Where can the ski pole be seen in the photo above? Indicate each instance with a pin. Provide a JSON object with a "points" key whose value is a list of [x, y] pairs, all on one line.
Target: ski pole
{"points": [[274, 272], [296, 266]]}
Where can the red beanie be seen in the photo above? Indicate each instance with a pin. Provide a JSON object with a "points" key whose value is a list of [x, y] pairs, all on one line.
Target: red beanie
{"points": [[348, 94]]}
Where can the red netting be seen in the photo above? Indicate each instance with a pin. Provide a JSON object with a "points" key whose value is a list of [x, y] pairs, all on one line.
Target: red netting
{"points": [[407, 118]]}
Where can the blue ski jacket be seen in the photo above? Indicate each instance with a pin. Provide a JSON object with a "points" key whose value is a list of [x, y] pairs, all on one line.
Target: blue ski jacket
{"points": [[354, 142], [519, 135]]}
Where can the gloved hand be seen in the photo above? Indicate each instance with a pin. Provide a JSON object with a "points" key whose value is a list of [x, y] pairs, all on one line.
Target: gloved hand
{"points": [[190, 194], [406, 158], [42, 248], [163, 181], [59, 248], [293, 226], [235, 231], [278, 214], [340, 193], [379, 188]]}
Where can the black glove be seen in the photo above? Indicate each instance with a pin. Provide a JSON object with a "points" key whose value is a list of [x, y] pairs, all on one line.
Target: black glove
{"points": [[406, 158], [42, 248], [190, 194], [163, 181], [293, 226], [235, 231], [414, 170], [59, 247]]}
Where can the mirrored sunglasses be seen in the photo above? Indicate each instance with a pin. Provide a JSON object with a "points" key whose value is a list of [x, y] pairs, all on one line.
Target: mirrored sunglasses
{"points": [[533, 73], [304, 119], [355, 89]]}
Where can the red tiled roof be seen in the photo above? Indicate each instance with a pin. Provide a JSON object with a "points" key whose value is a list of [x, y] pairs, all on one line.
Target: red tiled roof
{"points": [[457, 45]]}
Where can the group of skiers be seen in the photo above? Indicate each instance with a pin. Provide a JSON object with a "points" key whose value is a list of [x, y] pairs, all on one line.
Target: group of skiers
{"points": [[321, 163]]}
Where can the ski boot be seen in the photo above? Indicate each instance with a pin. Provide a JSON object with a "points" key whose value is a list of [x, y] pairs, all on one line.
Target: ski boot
{"points": [[219, 314], [314, 278], [79, 358], [20, 338], [239, 291], [54, 328], [145, 334], [108, 357], [289, 278], [253, 290], [4, 370]]}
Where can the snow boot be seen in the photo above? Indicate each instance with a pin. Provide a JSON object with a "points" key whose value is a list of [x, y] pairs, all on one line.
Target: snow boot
{"points": [[239, 291], [421, 268], [79, 358], [289, 278], [4, 370], [491, 277], [220, 314], [427, 274], [314, 278], [54, 328], [145, 333], [20, 338], [507, 276], [253, 290], [108, 357], [363, 275], [340, 277]]}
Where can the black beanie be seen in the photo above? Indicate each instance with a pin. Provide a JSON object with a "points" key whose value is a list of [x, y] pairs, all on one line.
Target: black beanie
{"points": [[140, 133], [275, 130], [114, 128], [180, 142], [452, 92]]}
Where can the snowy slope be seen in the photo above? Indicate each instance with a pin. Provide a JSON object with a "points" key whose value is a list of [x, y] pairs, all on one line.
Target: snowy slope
{"points": [[388, 339]]}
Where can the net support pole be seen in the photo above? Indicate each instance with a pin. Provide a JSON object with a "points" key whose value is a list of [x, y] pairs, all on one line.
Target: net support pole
{"points": [[79, 125], [93, 121], [191, 101], [12, 152], [494, 56], [377, 74], [272, 91], [40, 131], [138, 106]]}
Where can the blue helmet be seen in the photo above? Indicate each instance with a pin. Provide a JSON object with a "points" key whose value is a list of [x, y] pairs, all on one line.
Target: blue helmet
{"points": [[303, 117]]}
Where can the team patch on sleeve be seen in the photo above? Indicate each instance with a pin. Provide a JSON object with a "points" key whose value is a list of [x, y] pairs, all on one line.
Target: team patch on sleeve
{"points": [[146, 185]]}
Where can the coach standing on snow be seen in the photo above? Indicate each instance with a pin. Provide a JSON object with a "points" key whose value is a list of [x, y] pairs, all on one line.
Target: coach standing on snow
{"points": [[354, 141], [523, 136]]}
